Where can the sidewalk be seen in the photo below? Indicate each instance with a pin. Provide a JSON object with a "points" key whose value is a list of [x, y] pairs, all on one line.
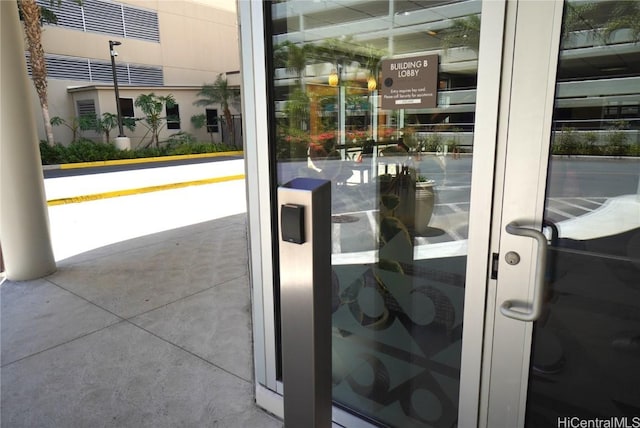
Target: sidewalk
{"points": [[153, 331], [150, 332]]}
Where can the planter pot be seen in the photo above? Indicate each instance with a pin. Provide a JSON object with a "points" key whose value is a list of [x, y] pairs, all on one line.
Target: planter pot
{"points": [[415, 202], [122, 143], [425, 200], [405, 190]]}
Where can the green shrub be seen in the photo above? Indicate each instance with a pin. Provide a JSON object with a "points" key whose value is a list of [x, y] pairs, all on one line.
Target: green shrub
{"points": [[432, 143], [150, 152], [180, 138], [292, 145], [182, 149], [567, 142], [52, 155], [90, 151], [617, 142], [593, 150]]}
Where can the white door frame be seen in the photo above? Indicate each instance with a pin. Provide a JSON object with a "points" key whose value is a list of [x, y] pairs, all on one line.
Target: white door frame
{"points": [[495, 146], [525, 119]]}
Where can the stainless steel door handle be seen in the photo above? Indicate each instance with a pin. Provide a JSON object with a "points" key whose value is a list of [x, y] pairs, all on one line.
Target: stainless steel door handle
{"points": [[524, 311]]}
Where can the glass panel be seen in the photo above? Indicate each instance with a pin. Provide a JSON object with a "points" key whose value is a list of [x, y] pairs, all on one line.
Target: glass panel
{"points": [[401, 186], [586, 353]]}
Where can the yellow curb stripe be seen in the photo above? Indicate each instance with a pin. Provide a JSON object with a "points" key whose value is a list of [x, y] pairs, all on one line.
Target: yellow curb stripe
{"points": [[129, 192], [148, 160]]}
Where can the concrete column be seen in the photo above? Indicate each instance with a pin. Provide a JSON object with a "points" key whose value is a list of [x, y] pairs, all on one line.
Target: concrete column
{"points": [[24, 220]]}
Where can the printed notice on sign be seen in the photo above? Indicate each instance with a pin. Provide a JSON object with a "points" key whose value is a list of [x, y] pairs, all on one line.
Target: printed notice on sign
{"points": [[409, 83]]}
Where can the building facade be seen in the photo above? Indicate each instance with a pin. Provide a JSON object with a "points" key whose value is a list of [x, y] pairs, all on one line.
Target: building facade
{"points": [[167, 47]]}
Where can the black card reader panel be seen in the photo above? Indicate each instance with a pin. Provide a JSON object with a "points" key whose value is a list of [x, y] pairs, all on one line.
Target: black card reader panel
{"points": [[292, 223]]}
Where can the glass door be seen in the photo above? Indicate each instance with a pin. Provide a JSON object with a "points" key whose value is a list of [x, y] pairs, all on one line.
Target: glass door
{"points": [[384, 98], [566, 331]]}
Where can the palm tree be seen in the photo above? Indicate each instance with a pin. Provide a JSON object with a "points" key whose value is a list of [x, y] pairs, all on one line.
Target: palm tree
{"points": [[76, 125], [32, 19], [105, 124], [463, 32], [219, 92], [578, 17], [599, 20], [152, 106], [624, 15], [297, 109], [297, 57]]}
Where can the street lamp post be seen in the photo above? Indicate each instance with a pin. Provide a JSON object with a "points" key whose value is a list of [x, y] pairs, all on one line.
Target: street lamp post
{"points": [[335, 79], [113, 54]]}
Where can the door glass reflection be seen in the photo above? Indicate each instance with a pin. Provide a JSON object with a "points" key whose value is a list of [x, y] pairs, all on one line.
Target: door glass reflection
{"points": [[586, 354], [401, 181]]}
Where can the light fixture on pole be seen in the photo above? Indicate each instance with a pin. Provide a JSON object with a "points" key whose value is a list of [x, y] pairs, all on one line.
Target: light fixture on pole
{"points": [[372, 84], [113, 55], [335, 79]]}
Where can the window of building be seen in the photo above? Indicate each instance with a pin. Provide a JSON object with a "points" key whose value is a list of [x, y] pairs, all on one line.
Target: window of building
{"points": [[173, 117], [145, 76], [86, 111], [126, 107], [86, 108], [106, 17], [101, 71], [67, 68], [212, 120], [140, 24], [91, 70]]}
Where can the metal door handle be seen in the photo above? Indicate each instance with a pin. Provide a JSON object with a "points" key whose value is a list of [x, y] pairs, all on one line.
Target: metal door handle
{"points": [[523, 311]]}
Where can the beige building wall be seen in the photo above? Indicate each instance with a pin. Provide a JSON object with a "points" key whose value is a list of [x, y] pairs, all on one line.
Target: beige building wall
{"points": [[104, 97], [198, 41], [192, 47]]}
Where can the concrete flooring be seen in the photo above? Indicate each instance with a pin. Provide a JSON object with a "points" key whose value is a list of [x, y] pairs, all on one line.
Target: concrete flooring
{"points": [[150, 332]]}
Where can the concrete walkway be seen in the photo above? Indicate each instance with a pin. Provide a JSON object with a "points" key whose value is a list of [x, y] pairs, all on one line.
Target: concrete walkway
{"points": [[150, 332]]}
